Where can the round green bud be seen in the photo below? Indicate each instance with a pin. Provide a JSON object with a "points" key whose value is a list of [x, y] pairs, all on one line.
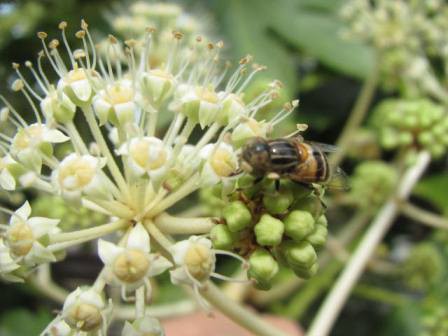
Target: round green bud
{"points": [[269, 231], [221, 237], [46, 148], [299, 224], [318, 237], [405, 138], [246, 181], [237, 216], [278, 203], [299, 191], [436, 150], [426, 138], [262, 268], [306, 273], [299, 254], [311, 204], [322, 220], [389, 138], [410, 121]]}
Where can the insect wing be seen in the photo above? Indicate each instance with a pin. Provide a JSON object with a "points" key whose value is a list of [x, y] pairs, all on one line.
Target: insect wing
{"points": [[338, 180], [326, 148]]}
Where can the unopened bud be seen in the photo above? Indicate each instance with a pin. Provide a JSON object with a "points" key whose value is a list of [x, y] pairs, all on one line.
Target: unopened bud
{"points": [[269, 231], [299, 224], [237, 216]]}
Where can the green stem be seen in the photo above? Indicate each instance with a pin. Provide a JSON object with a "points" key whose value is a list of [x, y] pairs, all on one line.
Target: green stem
{"points": [[357, 115], [380, 295], [178, 225], [99, 138], [333, 304], [424, 216], [90, 233]]}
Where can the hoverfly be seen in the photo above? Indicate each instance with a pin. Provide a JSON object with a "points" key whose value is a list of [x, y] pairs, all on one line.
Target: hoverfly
{"points": [[304, 162]]}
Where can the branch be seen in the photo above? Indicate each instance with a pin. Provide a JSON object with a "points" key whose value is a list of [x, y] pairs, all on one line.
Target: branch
{"points": [[178, 225], [333, 304], [424, 216]]}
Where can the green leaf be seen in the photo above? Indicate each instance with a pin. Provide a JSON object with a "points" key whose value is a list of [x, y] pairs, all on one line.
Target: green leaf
{"points": [[23, 322], [246, 26], [319, 34], [434, 189]]}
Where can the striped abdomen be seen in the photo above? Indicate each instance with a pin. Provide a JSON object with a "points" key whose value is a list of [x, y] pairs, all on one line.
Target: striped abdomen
{"points": [[313, 166], [284, 156]]}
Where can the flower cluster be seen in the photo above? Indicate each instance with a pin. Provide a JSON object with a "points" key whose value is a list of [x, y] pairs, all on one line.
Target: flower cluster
{"points": [[416, 124], [408, 35], [130, 166], [272, 225], [372, 184]]}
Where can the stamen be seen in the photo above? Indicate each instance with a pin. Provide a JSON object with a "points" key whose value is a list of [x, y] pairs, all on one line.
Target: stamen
{"points": [[226, 278], [147, 46], [42, 36], [62, 26], [16, 67], [20, 123], [53, 45], [29, 65], [41, 71], [18, 85], [177, 37], [257, 68], [84, 26]]}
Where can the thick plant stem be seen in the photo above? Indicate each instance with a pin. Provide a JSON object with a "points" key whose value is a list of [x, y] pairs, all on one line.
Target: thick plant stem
{"points": [[178, 225], [216, 297], [340, 292], [424, 216], [357, 115], [237, 313]]}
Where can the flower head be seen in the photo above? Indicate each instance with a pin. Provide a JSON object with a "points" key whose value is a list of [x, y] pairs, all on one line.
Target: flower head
{"points": [[144, 326]]}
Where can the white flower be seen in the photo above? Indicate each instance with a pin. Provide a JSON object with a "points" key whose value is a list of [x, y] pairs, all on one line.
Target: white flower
{"points": [[116, 103], [232, 108], [76, 84], [78, 174], [130, 265], [148, 155], [247, 129], [7, 264], [195, 261], [30, 143], [157, 85], [57, 106], [60, 328], [143, 326], [85, 310], [199, 103], [220, 163], [24, 233], [7, 181]]}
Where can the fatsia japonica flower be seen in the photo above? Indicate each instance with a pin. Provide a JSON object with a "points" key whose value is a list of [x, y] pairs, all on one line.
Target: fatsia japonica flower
{"points": [[147, 135]]}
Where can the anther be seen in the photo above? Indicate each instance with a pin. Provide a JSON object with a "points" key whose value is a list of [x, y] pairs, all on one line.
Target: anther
{"points": [[15, 66], [246, 59], [42, 35], [84, 25], [150, 30], [53, 44], [28, 64], [112, 39], [17, 85], [178, 35], [62, 25], [220, 44], [80, 34]]}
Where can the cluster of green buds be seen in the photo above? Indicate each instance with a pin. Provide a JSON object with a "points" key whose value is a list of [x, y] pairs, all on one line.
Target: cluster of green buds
{"points": [[408, 35], [416, 124], [423, 267], [272, 226], [372, 184], [71, 218]]}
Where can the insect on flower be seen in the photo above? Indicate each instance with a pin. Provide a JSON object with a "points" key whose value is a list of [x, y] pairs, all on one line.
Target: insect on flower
{"points": [[294, 158]]}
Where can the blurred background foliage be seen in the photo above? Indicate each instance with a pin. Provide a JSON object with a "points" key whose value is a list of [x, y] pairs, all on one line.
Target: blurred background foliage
{"points": [[302, 44]]}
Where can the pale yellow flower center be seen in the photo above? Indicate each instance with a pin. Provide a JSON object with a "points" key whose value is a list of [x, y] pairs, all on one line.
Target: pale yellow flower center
{"points": [[29, 136], [141, 154], [223, 162], [118, 94], [84, 317], [131, 266], [207, 95], [161, 74], [81, 170], [20, 238], [199, 261], [75, 75]]}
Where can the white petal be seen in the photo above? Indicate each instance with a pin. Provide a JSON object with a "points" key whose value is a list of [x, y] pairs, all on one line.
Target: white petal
{"points": [[180, 277], [54, 136], [92, 297], [71, 299], [24, 211], [138, 238], [125, 111], [82, 89], [102, 109], [108, 251], [179, 250], [7, 181], [39, 254], [159, 265], [129, 330], [208, 175], [42, 225]]}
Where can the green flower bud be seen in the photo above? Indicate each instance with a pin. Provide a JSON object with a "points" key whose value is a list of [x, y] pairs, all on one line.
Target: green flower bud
{"points": [[269, 231], [318, 237], [278, 203], [311, 204], [299, 224], [262, 268], [306, 273], [322, 220], [437, 150], [221, 237], [299, 254], [237, 216], [426, 138], [405, 138]]}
